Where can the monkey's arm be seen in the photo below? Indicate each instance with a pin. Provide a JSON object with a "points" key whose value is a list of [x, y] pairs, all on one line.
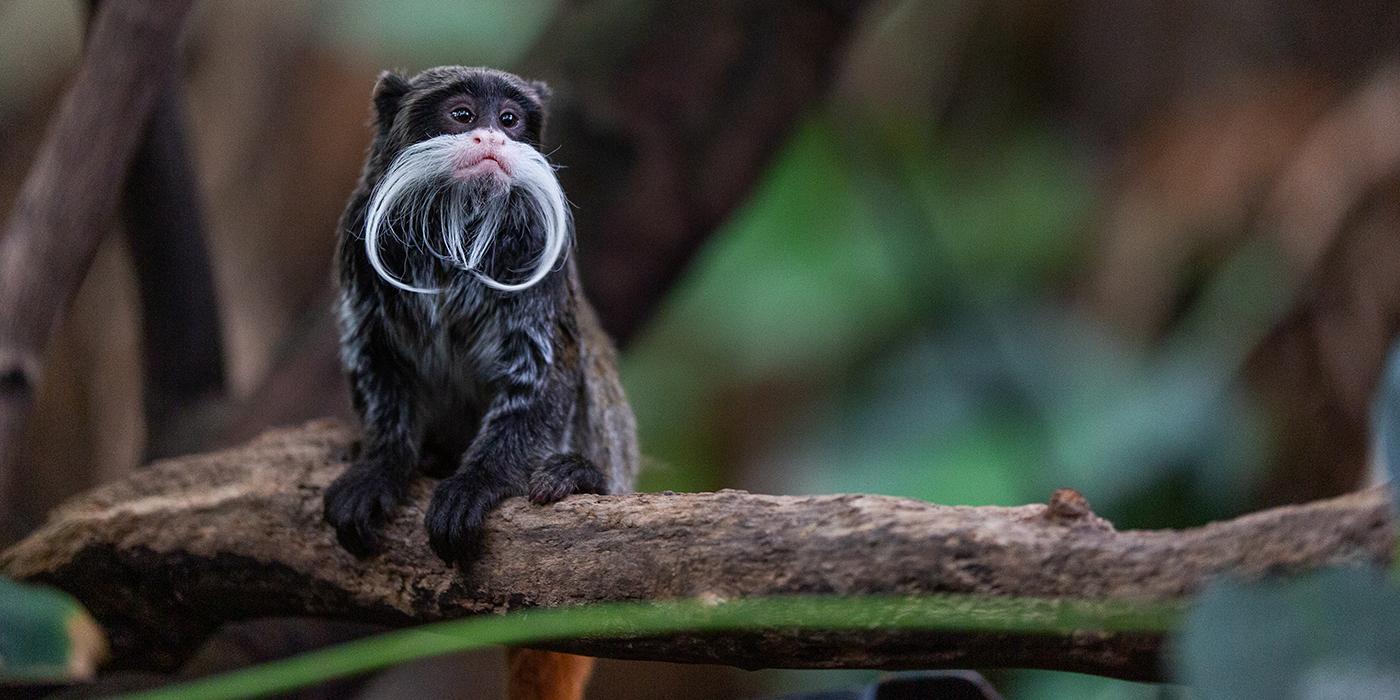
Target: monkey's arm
{"points": [[521, 445], [357, 503]]}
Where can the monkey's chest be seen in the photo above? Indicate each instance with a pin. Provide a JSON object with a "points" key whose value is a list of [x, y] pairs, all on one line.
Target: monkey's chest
{"points": [[455, 352]]}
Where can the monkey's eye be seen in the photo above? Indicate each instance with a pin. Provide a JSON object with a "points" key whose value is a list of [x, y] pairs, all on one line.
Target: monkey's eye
{"points": [[461, 114], [508, 119]]}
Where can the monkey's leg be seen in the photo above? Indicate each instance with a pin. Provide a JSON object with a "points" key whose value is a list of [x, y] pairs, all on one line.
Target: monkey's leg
{"points": [[357, 503], [546, 675]]}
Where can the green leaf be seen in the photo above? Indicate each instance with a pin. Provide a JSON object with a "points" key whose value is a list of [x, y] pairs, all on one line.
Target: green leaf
{"points": [[1332, 634], [950, 612], [45, 635]]}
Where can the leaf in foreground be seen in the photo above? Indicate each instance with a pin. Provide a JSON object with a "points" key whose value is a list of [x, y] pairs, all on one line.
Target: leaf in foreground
{"points": [[46, 636], [945, 613]]}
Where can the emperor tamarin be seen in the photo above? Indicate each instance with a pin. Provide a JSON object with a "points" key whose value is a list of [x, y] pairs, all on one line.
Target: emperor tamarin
{"points": [[471, 352]]}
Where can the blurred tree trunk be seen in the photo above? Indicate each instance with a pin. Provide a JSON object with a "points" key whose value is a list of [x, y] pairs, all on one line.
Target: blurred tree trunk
{"points": [[182, 345], [71, 194], [1310, 175], [1225, 136], [163, 223]]}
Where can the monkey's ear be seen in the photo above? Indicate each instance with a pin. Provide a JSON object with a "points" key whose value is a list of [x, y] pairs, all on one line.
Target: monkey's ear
{"points": [[388, 92], [542, 92]]}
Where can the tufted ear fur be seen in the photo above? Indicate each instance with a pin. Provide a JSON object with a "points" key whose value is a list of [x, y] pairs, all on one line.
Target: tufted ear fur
{"points": [[388, 92]]}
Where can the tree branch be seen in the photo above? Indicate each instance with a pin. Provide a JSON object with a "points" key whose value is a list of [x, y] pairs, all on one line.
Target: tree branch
{"points": [[165, 556]]}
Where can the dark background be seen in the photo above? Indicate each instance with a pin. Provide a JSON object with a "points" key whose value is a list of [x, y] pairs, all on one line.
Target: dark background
{"points": [[964, 251]]}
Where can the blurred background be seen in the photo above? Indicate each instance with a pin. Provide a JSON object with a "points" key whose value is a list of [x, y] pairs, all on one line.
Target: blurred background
{"points": [[966, 251]]}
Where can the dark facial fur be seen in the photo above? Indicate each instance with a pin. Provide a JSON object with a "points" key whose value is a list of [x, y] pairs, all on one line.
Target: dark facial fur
{"points": [[502, 385]]}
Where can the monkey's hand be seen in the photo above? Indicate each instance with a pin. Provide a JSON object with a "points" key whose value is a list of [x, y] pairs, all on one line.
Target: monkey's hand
{"points": [[564, 475], [358, 503], [460, 505], [462, 501]]}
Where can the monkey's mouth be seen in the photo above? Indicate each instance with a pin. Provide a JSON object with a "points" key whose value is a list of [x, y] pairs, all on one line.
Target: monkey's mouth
{"points": [[486, 165]]}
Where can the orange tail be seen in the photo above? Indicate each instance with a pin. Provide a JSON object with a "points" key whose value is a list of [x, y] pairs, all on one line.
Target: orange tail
{"points": [[546, 675]]}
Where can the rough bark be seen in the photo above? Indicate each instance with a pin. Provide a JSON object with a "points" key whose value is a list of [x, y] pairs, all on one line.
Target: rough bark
{"points": [[71, 194], [186, 544]]}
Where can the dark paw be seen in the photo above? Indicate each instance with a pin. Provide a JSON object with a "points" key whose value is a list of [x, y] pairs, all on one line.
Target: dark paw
{"points": [[564, 475], [358, 503], [459, 507]]}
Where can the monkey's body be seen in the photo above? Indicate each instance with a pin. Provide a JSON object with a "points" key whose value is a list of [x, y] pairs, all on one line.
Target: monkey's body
{"points": [[502, 389], [451, 354]]}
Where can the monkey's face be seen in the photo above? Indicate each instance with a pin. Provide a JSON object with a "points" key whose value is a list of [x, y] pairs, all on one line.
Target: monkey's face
{"points": [[461, 166], [500, 114]]}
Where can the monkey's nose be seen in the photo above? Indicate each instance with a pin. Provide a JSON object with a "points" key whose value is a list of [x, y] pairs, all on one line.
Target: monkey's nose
{"points": [[488, 137]]}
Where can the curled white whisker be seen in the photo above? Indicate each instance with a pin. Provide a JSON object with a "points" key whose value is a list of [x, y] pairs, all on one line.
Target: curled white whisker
{"points": [[470, 217]]}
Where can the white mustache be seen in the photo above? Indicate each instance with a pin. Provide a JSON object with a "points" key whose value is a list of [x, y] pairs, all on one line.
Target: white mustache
{"points": [[420, 181]]}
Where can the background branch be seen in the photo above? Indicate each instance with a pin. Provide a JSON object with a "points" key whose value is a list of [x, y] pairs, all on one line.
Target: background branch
{"points": [[71, 193], [165, 556], [1335, 212], [181, 339]]}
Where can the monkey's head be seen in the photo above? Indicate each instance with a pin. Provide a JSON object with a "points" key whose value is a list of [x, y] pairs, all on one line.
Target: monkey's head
{"points": [[456, 166]]}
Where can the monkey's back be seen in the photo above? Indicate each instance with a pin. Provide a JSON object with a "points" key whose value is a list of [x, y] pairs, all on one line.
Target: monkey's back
{"points": [[611, 429]]}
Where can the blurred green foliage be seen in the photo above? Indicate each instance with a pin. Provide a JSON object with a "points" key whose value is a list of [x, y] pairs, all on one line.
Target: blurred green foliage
{"points": [[890, 309], [1330, 634], [913, 308], [25, 64]]}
